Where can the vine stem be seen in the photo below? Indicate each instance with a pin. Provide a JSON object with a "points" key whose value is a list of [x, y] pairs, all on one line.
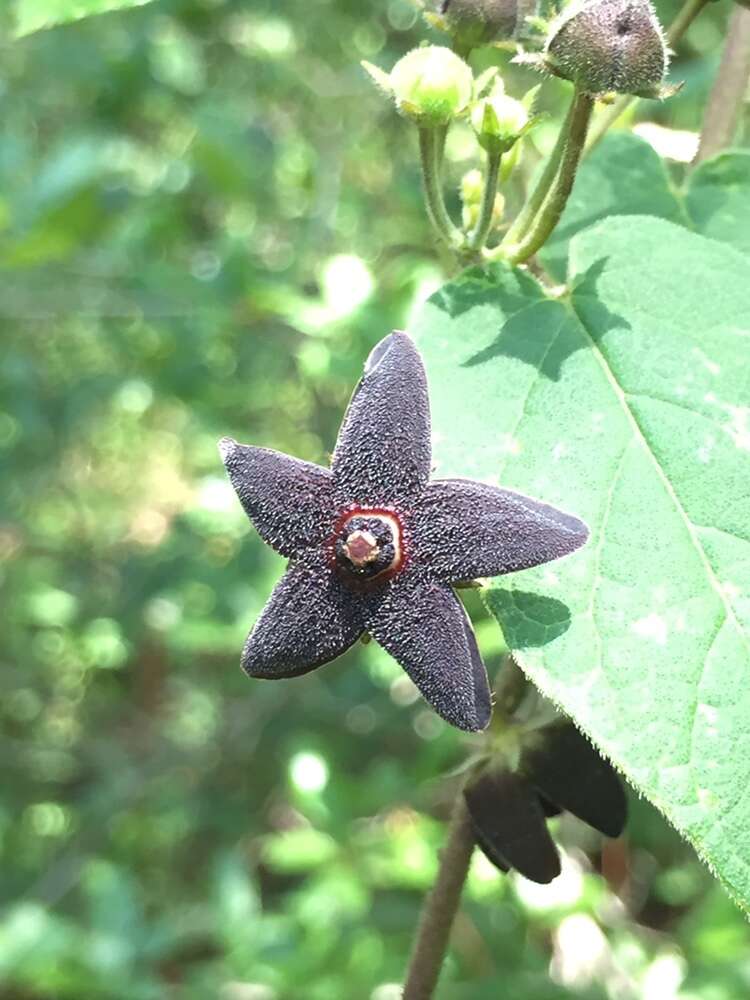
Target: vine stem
{"points": [[685, 17], [479, 237], [676, 30], [536, 199], [440, 907], [430, 147], [576, 127], [728, 92]]}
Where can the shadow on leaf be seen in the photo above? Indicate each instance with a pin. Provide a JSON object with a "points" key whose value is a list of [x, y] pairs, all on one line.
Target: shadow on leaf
{"points": [[540, 335], [528, 619], [539, 331], [493, 285]]}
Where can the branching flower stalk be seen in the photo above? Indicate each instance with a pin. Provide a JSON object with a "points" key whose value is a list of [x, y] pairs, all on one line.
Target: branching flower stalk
{"points": [[536, 199], [549, 214], [601, 47]]}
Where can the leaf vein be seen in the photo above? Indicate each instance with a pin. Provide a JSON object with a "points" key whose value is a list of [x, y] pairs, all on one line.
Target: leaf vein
{"points": [[666, 483]]}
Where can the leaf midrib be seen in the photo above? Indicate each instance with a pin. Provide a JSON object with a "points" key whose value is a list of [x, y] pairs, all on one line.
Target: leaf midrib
{"points": [[639, 433]]}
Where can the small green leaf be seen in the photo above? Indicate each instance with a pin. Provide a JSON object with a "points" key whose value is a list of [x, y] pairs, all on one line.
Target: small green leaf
{"points": [[628, 405], [718, 199], [32, 15]]}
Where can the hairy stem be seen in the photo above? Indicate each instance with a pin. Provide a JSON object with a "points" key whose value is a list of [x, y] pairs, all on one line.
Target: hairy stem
{"points": [[441, 138], [510, 687], [536, 199], [440, 907], [479, 237], [557, 197], [430, 155], [730, 86], [676, 30]]}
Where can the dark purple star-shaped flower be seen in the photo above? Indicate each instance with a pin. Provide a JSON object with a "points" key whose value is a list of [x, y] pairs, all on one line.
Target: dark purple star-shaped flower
{"points": [[558, 769], [375, 546]]}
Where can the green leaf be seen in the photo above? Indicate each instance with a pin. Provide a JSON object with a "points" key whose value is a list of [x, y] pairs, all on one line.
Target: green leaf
{"points": [[622, 176], [629, 405], [718, 199], [32, 15]]}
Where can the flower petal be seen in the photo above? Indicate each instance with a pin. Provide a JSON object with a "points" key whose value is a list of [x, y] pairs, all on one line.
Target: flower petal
{"points": [[382, 455], [310, 619], [570, 772], [290, 502], [510, 826], [489, 849], [423, 625], [466, 529]]}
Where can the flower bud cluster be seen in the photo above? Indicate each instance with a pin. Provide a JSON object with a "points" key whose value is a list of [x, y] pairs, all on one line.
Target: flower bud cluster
{"points": [[433, 86]]}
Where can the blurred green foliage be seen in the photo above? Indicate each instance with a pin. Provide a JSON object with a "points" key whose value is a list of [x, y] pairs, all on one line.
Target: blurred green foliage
{"points": [[32, 15], [207, 217]]}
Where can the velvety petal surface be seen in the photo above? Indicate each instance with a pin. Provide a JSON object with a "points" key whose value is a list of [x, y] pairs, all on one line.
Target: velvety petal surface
{"points": [[464, 529], [571, 773], [510, 826], [423, 625], [290, 502], [310, 619], [382, 456], [489, 849]]}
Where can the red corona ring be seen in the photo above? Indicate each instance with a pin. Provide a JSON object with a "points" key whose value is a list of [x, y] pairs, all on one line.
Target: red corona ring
{"points": [[368, 544]]}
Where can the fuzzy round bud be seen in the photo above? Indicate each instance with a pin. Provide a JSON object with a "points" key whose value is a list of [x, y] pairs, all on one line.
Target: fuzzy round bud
{"points": [[499, 121], [477, 22], [608, 46], [431, 85]]}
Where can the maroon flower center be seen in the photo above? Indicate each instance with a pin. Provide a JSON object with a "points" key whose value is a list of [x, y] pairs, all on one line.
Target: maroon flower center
{"points": [[368, 544]]}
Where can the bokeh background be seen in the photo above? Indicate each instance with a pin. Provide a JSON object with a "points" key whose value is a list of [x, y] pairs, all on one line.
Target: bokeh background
{"points": [[207, 217]]}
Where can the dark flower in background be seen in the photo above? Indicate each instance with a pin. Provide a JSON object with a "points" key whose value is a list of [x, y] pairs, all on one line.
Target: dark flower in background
{"points": [[558, 769], [477, 22], [375, 547]]}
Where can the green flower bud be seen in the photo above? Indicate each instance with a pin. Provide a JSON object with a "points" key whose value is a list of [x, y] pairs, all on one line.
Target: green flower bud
{"points": [[431, 85], [607, 46], [477, 22], [499, 121], [472, 186]]}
